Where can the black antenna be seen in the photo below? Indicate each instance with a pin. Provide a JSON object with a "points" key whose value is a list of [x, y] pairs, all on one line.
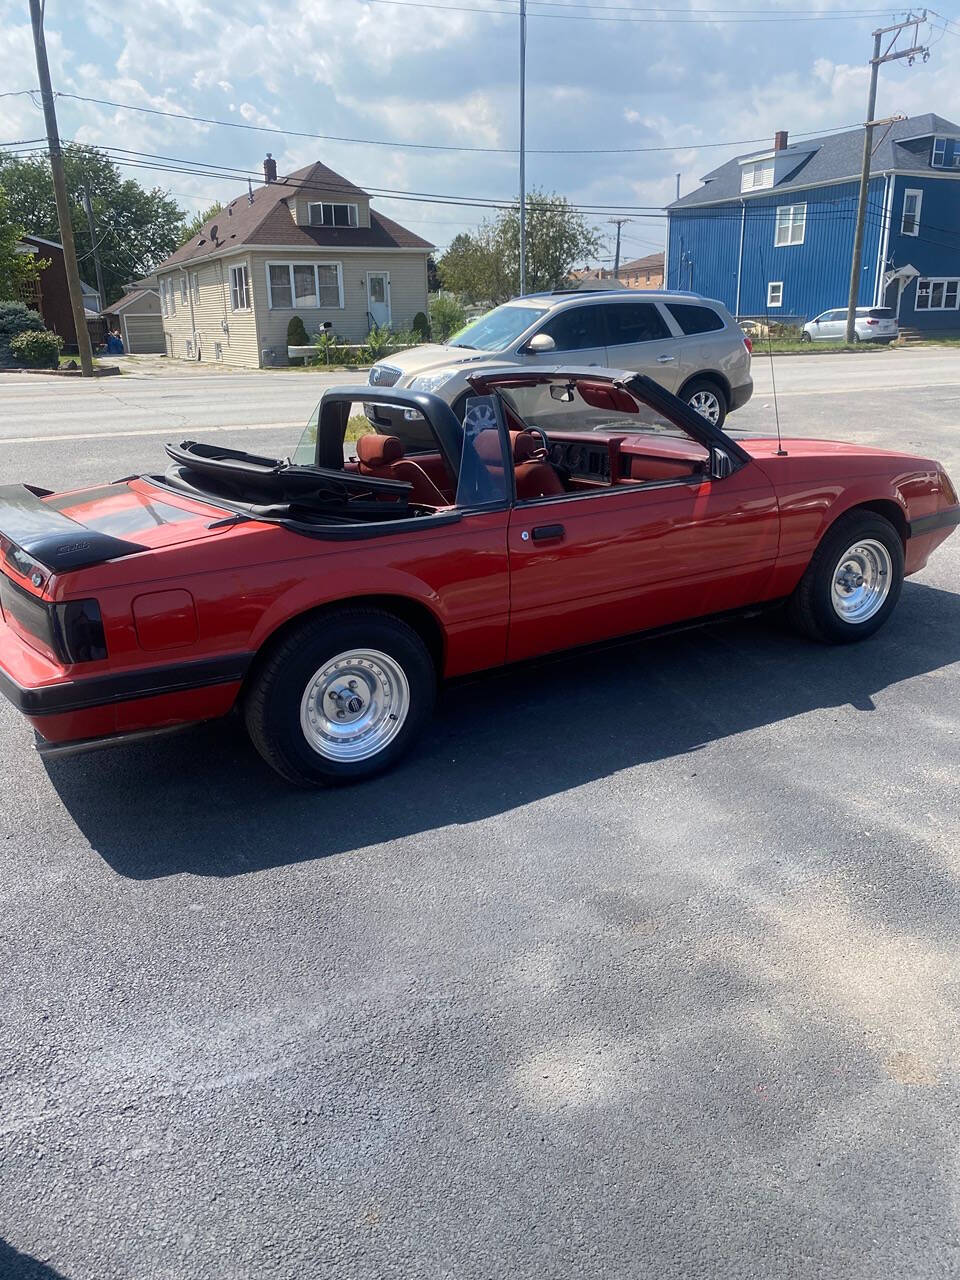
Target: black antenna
{"points": [[781, 451]]}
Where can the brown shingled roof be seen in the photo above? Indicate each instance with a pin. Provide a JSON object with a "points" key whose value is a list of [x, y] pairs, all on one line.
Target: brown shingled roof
{"points": [[269, 220]]}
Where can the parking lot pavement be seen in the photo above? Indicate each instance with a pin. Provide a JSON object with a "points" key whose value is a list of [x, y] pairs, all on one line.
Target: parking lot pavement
{"points": [[646, 964]]}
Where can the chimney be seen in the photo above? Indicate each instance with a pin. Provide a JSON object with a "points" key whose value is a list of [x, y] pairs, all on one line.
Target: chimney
{"points": [[779, 142], [270, 168]]}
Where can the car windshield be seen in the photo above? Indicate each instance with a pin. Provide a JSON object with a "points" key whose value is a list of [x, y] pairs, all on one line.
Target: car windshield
{"points": [[498, 328], [539, 406]]}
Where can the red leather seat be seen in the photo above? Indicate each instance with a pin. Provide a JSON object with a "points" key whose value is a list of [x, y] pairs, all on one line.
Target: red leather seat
{"points": [[382, 456], [535, 477]]}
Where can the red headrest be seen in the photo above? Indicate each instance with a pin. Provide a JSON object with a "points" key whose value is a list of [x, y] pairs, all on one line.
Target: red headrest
{"points": [[486, 443], [379, 451], [525, 445]]}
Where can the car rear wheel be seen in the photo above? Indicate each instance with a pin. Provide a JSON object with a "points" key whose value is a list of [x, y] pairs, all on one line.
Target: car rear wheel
{"points": [[708, 399], [341, 697], [853, 581]]}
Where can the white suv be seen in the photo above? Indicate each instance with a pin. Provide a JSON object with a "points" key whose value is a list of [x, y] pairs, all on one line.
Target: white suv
{"points": [[690, 345]]}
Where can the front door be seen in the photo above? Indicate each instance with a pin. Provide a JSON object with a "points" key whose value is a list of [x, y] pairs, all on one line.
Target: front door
{"points": [[638, 339], [578, 337], [378, 298]]}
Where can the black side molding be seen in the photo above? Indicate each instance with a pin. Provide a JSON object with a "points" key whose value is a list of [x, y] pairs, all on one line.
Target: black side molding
{"points": [[50, 537], [98, 691], [946, 519]]}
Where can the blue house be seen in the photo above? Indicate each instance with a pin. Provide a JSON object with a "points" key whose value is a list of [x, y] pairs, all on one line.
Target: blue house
{"points": [[772, 232]]}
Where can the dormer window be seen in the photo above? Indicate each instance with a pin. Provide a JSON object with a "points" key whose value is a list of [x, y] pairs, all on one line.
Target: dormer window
{"points": [[333, 215], [946, 153], [757, 174]]}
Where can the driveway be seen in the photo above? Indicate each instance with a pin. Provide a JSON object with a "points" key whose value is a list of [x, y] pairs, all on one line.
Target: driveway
{"points": [[645, 965]]}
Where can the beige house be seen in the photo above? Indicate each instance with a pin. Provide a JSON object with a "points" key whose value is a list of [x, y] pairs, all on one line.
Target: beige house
{"points": [[306, 245]]}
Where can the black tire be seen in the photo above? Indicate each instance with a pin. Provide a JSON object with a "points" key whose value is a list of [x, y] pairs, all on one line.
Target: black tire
{"points": [[272, 702], [810, 610], [804, 336], [856, 337], [707, 385]]}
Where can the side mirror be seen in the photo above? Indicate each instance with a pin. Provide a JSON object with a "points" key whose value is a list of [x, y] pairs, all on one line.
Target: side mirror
{"points": [[721, 464], [540, 344]]}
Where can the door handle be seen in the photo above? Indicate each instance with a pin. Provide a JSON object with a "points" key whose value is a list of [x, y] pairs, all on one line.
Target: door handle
{"points": [[548, 533], [666, 359]]}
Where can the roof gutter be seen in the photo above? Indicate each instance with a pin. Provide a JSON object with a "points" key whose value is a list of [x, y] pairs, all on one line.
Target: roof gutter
{"points": [[247, 247]]}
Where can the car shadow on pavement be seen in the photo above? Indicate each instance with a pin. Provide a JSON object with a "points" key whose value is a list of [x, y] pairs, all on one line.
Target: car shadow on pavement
{"points": [[15, 1265], [203, 803]]}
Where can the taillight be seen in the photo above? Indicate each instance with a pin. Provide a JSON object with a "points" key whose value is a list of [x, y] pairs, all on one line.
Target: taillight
{"points": [[946, 488], [873, 322], [748, 344]]}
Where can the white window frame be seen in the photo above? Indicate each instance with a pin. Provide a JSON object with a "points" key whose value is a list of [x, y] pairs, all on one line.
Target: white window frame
{"points": [[771, 285], [163, 298], [789, 218], [911, 191], [171, 297], [183, 288], [939, 144], [931, 281], [320, 306], [344, 204], [235, 293], [762, 169], [195, 286]]}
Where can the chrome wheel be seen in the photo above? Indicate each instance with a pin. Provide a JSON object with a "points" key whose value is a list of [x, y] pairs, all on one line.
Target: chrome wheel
{"points": [[707, 404], [355, 705], [861, 581]]}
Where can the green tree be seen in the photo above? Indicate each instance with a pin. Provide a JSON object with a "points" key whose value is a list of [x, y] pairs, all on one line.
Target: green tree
{"points": [[197, 223], [17, 270], [135, 228], [485, 266]]}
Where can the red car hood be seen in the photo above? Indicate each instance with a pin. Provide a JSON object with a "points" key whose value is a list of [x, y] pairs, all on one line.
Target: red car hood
{"points": [[140, 512]]}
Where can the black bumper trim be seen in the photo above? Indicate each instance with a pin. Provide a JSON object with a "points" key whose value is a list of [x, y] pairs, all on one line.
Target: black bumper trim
{"points": [[929, 524], [98, 691]]}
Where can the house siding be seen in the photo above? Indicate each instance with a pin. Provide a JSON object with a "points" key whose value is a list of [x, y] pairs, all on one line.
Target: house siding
{"points": [[408, 294], [203, 320], [934, 252], [705, 251], [300, 205]]}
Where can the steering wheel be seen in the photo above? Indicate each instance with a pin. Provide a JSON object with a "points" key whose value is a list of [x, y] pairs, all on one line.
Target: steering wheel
{"points": [[539, 431]]}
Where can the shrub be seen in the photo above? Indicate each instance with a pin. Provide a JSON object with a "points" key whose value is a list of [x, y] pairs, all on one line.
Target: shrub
{"points": [[296, 333], [15, 318], [36, 349], [421, 327], [447, 316], [324, 343]]}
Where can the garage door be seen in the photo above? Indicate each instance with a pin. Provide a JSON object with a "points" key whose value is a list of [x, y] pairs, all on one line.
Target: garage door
{"points": [[143, 335]]}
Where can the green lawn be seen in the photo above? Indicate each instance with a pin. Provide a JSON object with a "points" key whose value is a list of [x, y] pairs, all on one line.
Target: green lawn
{"points": [[761, 346], [357, 426]]}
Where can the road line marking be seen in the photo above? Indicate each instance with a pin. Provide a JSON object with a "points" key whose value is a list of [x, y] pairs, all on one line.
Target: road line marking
{"points": [[172, 433]]}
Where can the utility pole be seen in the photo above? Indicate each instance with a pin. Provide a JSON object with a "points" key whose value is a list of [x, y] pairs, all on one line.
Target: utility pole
{"points": [[60, 191], [88, 208], [523, 148], [618, 223], [876, 62], [678, 186]]}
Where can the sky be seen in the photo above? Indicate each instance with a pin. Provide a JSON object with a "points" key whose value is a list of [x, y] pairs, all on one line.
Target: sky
{"points": [[600, 77]]}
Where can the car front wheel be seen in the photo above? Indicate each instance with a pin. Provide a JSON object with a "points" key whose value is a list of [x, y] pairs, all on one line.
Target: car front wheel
{"points": [[341, 697], [708, 400], [853, 580]]}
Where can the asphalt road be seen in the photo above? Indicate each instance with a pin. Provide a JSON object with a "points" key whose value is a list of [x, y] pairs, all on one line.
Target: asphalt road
{"points": [[645, 965]]}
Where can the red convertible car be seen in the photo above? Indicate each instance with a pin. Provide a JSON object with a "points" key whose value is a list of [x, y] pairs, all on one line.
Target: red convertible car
{"points": [[327, 596]]}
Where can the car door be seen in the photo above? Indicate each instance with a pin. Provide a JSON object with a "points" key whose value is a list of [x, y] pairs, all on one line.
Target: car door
{"points": [[833, 326], [578, 338], [639, 339]]}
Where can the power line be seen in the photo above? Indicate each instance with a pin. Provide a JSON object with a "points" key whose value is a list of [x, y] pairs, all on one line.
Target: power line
{"points": [[761, 17], [429, 146]]}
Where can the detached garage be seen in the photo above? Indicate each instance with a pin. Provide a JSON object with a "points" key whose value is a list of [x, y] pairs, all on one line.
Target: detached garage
{"points": [[141, 325]]}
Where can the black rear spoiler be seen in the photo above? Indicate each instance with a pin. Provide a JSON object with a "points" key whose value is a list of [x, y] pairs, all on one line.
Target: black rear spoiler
{"points": [[50, 537]]}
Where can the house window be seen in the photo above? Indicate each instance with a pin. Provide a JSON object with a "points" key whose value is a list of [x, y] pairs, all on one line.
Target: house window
{"points": [[791, 224], [183, 289], [937, 295], [910, 222], [218, 351], [171, 298], [195, 286], [333, 215], [304, 285], [756, 175], [163, 297], [775, 293], [239, 288], [939, 153]]}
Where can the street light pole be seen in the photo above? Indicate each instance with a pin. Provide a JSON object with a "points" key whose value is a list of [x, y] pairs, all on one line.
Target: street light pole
{"points": [[523, 148], [60, 192]]}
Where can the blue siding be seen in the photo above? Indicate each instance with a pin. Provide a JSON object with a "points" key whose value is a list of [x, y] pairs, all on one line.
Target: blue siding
{"points": [[705, 247], [934, 252]]}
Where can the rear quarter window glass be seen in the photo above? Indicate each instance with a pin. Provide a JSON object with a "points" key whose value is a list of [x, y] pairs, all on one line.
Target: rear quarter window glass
{"points": [[634, 322], [881, 313], [692, 319]]}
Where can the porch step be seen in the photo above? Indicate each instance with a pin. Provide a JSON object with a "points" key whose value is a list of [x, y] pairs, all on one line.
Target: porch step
{"points": [[909, 337]]}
